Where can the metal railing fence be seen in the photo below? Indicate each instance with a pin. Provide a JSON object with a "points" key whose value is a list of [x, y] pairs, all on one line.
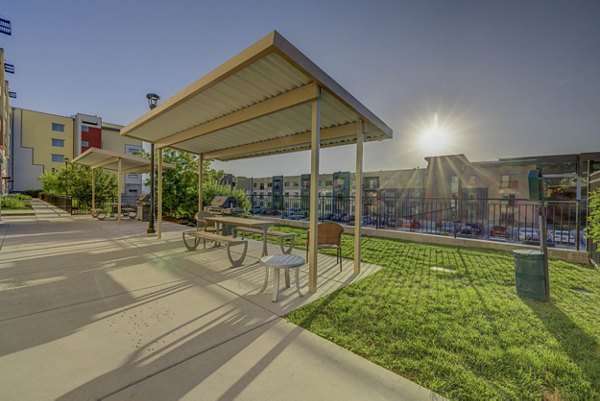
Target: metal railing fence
{"points": [[497, 219]]}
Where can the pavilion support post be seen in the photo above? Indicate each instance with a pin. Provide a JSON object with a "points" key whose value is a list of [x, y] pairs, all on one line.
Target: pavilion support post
{"points": [[200, 180], [358, 184], [93, 189], [315, 144], [160, 193], [119, 189]]}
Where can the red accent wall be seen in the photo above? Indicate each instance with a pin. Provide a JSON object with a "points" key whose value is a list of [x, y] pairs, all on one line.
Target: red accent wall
{"points": [[94, 138]]}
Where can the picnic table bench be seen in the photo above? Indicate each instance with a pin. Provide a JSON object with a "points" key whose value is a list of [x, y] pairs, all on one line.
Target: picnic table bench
{"points": [[282, 237], [201, 235], [112, 211]]}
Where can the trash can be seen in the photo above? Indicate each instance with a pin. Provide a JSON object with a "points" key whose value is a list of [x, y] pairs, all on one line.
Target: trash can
{"points": [[529, 274]]}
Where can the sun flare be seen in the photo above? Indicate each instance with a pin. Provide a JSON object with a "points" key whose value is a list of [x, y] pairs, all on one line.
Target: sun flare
{"points": [[436, 138]]}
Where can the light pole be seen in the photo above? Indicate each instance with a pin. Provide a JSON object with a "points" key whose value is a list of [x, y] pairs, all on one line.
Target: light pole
{"points": [[153, 99]]}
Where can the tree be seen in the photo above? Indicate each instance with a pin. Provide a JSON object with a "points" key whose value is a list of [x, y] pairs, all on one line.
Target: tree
{"points": [[76, 181], [180, 185], [593, 228]]}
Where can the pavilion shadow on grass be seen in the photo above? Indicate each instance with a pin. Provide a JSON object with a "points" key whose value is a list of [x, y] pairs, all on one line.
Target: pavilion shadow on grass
{"points": [[269, 99]]}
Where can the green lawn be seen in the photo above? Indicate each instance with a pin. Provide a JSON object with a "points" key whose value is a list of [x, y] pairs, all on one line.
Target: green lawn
{"points": [[466, 335]]}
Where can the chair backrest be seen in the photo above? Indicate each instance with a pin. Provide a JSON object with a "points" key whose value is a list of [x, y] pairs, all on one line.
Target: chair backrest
{"points": [[200, 216], [330, 234]]}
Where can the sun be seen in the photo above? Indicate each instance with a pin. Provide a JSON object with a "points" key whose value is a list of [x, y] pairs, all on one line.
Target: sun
{"points": [[436, 138]]}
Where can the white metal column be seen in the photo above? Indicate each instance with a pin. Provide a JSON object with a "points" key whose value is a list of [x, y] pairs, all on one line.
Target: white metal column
{"points": [[119, 189], [358, 184], [200, 180], [159, 198], [315, 144]]}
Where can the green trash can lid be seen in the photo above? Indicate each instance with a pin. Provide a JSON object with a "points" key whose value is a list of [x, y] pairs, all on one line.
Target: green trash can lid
{"points": [[527, 252]]}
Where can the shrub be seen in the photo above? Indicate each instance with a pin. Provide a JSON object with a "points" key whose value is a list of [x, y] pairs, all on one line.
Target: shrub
{"points": [[11, 202], [593, 228], [22, 197]]}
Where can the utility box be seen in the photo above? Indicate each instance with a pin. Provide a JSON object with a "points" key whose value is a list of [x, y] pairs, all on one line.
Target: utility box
{"points": [[530, 275], [534, 177]]}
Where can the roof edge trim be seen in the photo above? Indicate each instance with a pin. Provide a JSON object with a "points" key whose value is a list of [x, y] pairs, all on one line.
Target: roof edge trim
{"points": [[223, 71]]}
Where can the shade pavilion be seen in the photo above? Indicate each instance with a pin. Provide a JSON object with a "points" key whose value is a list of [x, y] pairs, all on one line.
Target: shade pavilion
{"points": [[120, 163], [269, 99]]}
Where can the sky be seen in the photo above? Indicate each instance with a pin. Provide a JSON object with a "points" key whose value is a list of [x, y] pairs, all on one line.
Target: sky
{"points": [[488, 79]]}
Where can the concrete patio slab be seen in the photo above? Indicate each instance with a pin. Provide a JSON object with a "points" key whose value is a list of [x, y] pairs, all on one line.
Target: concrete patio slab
{"points": [[99, 310]]}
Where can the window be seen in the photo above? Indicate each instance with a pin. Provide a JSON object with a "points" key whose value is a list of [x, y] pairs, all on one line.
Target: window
{"points": [[58, 127], [262, 185], [84, 128], [58, 158], [473, 180], [270, 185], [255, 185], [371, 183], [132, 176], [133, 150], [85, 144], [296, 183], [509, 181], [59, 143], [328, 183], [286, 184]]}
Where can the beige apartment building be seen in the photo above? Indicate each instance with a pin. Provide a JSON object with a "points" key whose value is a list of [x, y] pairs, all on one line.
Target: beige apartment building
{"points": [[5, 134], [43, 142]]}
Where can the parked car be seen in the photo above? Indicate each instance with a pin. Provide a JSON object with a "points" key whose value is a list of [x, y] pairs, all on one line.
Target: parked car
{"points": [[449, 227], [272, 212], [563, 237], [327, 217], [470, 229], [257, 210], [528, 234], [499, 231], [412, 224], [294, 213]]}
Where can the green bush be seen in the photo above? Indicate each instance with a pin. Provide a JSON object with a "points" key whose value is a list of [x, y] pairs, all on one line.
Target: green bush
{"points": [[76, 181], [22, 197], [593, 228], [11, 202]]}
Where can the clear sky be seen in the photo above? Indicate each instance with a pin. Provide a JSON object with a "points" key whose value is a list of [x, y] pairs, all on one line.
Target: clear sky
{"points": [[502, 78]]}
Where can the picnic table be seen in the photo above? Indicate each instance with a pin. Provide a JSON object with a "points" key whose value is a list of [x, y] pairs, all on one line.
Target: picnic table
{"points": [[223, 221]]}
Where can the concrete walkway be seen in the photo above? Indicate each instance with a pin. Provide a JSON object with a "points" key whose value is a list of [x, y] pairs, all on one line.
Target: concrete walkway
{"points": [[98, 310]]}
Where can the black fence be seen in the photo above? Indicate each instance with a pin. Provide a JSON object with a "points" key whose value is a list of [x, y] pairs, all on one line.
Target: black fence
{"points": [[75, 206], [495, 219], [62, 202], [594, 252]]}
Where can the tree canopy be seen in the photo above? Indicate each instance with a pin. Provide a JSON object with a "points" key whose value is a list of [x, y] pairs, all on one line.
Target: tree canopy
{"points": [[76, 181], [180, 185]]}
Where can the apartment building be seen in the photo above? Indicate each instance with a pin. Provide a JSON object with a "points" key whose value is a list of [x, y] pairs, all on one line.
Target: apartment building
{"points": [[487, 190], [44, 142], [5, 155]]}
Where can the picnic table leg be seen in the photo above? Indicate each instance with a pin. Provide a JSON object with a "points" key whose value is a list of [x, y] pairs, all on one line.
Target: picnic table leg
{"points": [[276, 285], [287, 278]]}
